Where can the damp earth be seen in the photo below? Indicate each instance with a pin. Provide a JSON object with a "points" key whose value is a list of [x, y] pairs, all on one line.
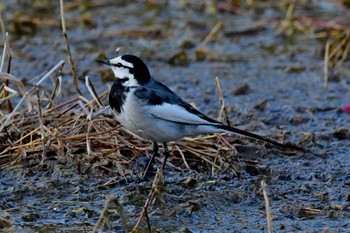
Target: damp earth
{"points": [[272, 83]]}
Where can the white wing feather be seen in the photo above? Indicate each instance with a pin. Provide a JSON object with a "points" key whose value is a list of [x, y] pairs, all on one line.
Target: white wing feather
{"points": [[176, 113]]}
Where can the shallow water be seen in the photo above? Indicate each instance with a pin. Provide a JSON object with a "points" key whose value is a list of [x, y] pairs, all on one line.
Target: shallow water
{"points": [[287, 73]]}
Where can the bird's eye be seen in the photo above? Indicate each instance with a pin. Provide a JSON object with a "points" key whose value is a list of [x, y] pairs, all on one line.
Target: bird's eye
{"points": [[118, 65]]}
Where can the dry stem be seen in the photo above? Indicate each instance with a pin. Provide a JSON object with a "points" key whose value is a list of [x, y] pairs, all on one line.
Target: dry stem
{"points": [[26, 94], [71, 62], [325, 67], [8, 49], [104, 214], [222, 102], [267, 207], [157, 185]]}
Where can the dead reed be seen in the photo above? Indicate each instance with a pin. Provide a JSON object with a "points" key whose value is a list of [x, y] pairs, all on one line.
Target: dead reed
{"points": [[334, 35], [267, 206]]}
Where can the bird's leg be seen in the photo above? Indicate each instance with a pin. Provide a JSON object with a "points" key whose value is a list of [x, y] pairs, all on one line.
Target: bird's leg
{"points": [[166, 154], [155, 153]]}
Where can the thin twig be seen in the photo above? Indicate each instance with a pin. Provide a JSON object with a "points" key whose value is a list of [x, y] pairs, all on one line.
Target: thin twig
{"points": [[88, 146], [267, 207], [10, 77], [104, 213], [9, 116], [3, 55], [346, 43], [5, 35], [10, 90], [57, 87], [92, 90], [234, 151], [326, 60], [41, 122], [82, 106], [222, 102], [183, 157], [158, 183], [71, 62], [62, 105], [200, 155], [213, 31], [338, 49], [7, 46]]}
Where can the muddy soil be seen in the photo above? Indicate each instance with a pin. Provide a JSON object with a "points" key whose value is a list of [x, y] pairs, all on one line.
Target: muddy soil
{"points": [[281, 95]]}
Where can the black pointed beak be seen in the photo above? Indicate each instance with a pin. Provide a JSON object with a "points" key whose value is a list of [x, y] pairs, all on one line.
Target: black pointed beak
{"points": [[104, 62]]}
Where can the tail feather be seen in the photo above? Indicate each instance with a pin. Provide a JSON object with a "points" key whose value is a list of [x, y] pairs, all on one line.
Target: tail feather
{"points": [[249, 135]]}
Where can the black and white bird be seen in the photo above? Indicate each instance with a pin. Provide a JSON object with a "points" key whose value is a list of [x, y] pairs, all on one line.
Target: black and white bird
{"points": [[152, 111]]}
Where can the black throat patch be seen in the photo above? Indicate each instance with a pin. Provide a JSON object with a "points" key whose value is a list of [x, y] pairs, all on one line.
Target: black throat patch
{"points": [[117, 96]]}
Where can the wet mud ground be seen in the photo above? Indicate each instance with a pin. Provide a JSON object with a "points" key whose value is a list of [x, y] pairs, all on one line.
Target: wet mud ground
{"points": [[283, 97]]}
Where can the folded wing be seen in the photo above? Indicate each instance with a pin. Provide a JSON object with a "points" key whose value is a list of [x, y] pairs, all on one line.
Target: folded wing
{"points": [[166, 105]]}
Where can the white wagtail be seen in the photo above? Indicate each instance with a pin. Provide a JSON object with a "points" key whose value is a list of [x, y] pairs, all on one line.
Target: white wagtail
{"points": [[152, 111]]}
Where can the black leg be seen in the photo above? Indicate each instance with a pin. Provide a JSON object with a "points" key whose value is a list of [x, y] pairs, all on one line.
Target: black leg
{"points": [[151, 161], [166, 154]]}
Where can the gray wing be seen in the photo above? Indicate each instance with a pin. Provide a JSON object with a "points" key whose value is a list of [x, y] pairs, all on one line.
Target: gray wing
{"points": [[166, 105]]}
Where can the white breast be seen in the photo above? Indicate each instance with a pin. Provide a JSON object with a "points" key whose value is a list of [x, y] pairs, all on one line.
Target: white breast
{"points": [[155, 123]]}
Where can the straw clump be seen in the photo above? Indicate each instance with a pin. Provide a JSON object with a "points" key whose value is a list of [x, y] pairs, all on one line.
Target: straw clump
{"points": [[46, 127]]}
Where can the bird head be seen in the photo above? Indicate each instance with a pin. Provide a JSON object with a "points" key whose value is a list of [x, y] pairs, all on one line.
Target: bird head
{"points": [[129, 70]]}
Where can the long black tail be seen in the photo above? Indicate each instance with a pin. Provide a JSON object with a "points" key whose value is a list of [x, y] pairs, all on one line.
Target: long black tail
{"points": [[250, 135]]}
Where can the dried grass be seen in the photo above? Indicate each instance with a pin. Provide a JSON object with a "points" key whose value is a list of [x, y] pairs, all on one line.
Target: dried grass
{"points": [[45, 127], [335, 36], [42, 126]]}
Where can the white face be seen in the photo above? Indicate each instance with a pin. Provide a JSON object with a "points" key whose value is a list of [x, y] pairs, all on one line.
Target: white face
{"points": [[122, 72]]}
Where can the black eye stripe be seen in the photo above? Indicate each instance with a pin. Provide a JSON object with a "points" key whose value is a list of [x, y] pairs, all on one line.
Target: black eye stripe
{"points": [[117, 65], [121, 65]]}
